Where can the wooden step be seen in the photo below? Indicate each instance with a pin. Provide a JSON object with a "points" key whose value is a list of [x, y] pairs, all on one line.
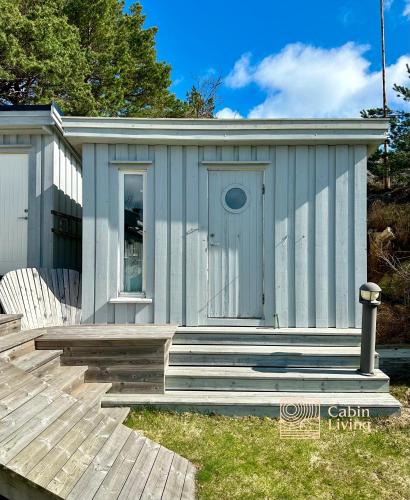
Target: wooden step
{"points": [[105, 336], [16, 339], [24, 412], [18, 393], [206, 378], [17, 351], [58, 445], [90, 390], [10, 323], [18, 439], [262, 404], [64, 378], [36, 359], [268, 336], [274, 356], [87, 401]]}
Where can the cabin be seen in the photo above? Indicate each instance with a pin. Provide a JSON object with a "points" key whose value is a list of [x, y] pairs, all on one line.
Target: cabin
{"points": [[224, 222], [40, 191], [221, 259]]}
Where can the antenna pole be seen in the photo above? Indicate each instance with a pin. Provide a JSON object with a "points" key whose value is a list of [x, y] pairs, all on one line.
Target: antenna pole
{"points": [[387, 180]]}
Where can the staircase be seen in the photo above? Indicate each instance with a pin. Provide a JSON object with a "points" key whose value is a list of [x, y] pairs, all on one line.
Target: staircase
{"points": [[243, 371], [57, 442]]}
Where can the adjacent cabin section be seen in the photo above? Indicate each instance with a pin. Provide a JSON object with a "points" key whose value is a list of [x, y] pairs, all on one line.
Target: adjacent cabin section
{"points": [[224, 222], [40, 191]]}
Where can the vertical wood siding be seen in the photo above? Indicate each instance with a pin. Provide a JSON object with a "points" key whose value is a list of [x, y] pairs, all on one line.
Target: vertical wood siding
{"points": [[314, 226], [55, 183], [66, 193]]}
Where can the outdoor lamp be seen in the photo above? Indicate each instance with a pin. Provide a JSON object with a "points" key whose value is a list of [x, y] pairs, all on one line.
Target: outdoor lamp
{"points": [[369, 296], [370, 292]]}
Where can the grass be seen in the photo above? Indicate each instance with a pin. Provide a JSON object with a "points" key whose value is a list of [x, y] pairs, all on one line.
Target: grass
{"points": [[244, 458]]}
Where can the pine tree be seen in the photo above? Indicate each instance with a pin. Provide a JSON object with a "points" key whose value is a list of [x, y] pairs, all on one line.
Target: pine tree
{"points": [[92, 58], [398, 142]]}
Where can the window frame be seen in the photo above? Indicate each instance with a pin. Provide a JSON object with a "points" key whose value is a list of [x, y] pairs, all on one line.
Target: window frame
{"points": [[122, 173]]}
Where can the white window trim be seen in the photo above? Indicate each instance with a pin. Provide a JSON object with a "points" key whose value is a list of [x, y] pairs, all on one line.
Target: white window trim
{"points": [[122, 173]]}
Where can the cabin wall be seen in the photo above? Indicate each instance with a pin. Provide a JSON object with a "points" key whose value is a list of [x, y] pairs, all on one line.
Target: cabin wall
{"points": [[67, 203], [47, 155], [314, 233]]}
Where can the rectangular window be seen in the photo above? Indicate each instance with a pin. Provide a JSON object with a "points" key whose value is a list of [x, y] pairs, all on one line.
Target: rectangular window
{"points": [[132, 258]]}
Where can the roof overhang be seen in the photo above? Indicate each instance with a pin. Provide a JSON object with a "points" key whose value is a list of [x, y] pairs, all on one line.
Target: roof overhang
{"points": [[80, 130], [30, 119], [184, 131]]}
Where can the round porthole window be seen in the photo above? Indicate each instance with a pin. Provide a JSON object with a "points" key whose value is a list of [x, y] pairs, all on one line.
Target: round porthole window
{"points": [[235, 198]]}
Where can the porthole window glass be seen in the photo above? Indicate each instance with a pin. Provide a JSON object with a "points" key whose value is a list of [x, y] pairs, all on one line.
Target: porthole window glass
{"points": [[235, 198]]}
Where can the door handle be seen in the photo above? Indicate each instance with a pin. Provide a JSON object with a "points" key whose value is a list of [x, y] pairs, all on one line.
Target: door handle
{"points": [[24, 218]]}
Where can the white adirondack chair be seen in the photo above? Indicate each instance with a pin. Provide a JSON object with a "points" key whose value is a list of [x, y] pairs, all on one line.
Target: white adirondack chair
{"points": [[45, 297]]}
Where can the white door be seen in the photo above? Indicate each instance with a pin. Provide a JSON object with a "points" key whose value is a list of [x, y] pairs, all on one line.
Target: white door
{"points": [[13, 211], [235, 255]]}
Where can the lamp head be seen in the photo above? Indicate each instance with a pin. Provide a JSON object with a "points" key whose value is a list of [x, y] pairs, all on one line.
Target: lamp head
{"points": [[370, 293]]}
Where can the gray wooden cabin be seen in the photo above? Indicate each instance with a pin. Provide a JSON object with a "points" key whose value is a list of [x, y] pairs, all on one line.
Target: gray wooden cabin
{"points": [[40, 191], [224, 222]]}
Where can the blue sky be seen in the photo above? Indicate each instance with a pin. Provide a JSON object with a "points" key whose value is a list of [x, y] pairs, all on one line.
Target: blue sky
{"points": [[284, 59]]}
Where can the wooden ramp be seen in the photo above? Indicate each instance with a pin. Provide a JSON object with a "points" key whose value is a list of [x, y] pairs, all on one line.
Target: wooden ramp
{"points": [[57, 442]]}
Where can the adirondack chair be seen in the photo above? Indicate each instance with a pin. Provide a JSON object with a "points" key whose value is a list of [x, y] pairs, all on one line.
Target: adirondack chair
{"points": [[45, 297]]}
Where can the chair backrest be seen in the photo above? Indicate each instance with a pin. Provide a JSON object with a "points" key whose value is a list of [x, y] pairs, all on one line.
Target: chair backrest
{"points": [[45, 297]]}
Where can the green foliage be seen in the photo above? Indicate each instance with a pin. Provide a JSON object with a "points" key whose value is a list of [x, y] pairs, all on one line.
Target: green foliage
{"points": [[198, 107], [402, 90], [394, 285], [40, 56], [90, 57], [398, 155], [201, 99]]}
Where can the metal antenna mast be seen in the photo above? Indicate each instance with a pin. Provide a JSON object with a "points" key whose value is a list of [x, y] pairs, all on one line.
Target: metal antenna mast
{"points": [[387, 181]]}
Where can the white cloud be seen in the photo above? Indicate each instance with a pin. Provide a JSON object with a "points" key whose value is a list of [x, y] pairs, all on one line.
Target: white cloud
{"points": [[228, 113], [306, 81], [240, 75], [388, 4], [406, 11]]}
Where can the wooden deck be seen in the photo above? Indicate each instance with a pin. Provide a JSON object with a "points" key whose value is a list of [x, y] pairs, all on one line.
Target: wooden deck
{"points": [[57, 442]]}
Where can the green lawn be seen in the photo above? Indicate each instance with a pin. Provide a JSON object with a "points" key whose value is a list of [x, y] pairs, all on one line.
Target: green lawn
{"points": [[244, 458]]}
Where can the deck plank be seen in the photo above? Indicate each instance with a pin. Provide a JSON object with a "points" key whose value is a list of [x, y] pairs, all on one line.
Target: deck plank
{"points": [[49, 466], [135, 483], [176, 478], [66, 478], [9, 341], [20, 392], [188, 492], [28, 458], [158, 476], [26, 411], [18, 440], [117, 476], [94, 475]]}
